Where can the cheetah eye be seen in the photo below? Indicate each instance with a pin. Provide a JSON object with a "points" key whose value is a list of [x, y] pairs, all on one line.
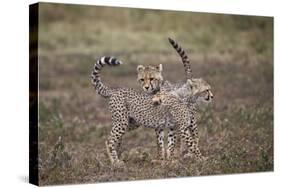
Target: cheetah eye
{"points": [[141, 79], [151, 79]]}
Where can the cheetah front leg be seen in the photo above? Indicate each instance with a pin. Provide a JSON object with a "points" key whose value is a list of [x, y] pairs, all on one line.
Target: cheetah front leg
{"points": [[160, 144], [118, 147], [190, 139], [194, 134], [171, 144], [195, 147]]}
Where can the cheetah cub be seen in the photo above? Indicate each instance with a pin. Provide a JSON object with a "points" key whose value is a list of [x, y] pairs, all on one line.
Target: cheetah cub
{"points": [[194, 93], [186, 126], [198, 95]]}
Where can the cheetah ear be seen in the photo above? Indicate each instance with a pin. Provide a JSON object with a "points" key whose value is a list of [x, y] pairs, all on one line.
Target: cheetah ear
{"points": [[190, 83], [140, 68], [159, 68]]}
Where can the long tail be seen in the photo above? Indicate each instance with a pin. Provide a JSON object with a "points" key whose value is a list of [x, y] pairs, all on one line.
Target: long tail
{"points": [[184, 57], [102, 89]]}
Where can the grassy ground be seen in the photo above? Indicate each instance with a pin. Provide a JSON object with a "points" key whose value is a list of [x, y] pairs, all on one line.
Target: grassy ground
{"points": [[233, 53]]}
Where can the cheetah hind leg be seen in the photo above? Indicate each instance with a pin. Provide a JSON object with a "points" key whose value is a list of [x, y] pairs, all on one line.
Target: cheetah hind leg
{"points": [[113, 142], [192, 143], [133, 125], [111, 153], [119, 147], [194, 152]]}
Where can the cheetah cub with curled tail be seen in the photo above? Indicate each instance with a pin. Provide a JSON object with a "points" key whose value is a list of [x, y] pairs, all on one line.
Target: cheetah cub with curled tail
{"points": [[125, 105]]}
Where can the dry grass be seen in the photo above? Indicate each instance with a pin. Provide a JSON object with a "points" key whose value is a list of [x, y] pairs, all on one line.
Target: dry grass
{"points": [[233, 53]]}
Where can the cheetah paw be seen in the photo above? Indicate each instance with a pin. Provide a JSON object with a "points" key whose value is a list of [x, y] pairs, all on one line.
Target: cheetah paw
{"points": [[157, 161], [119, 164], [197, 158], [202, 158]]}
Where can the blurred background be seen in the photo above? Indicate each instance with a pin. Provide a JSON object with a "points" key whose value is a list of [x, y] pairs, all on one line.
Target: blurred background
{"points": [[233, 53]]}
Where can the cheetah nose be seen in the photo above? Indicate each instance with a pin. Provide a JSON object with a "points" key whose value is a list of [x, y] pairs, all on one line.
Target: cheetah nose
{"points": [[212, 96], [146, 87]]}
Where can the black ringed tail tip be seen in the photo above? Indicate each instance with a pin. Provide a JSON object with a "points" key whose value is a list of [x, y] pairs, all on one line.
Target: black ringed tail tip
{"points": [[173, 43], [171, 40], [110, 60], [102, 89]]}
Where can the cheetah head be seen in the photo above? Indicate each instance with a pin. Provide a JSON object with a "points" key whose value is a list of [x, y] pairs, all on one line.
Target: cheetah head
{"points": [[201, 90], [150, 78]]}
